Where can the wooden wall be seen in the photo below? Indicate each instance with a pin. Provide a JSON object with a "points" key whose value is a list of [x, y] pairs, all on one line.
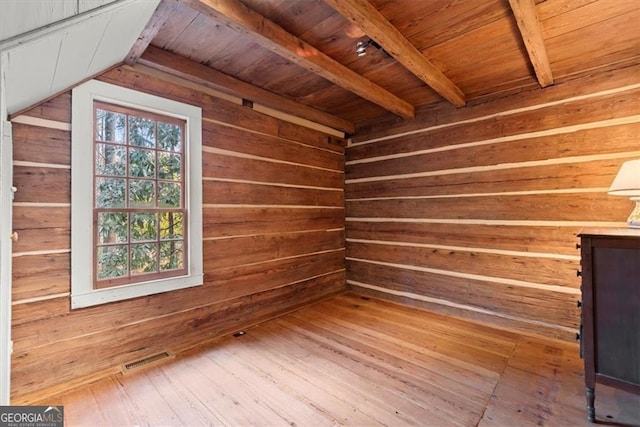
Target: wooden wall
{"points": [[273, 196], [474, 212]]}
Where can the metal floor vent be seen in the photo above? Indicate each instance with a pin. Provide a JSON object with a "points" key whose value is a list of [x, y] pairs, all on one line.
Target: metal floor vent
{"points": [[154, 359]]}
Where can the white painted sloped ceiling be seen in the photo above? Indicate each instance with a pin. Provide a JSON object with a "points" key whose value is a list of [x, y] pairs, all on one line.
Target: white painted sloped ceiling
{"points": [[51, 45]]}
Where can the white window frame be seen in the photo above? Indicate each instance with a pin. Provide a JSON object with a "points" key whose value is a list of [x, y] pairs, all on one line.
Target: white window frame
{"points": [[83, 293]]}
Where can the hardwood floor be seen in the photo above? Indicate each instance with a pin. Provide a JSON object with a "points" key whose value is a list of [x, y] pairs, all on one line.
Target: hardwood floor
{"points": [[357, 361]]}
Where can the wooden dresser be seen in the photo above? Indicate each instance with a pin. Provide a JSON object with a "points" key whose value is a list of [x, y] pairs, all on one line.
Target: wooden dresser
{"points": [[610, 336]]}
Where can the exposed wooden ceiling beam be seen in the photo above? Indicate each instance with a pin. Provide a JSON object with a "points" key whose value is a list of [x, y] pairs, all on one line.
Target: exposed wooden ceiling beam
{"points": [[182, 67], [238, 17], [376, 26], [531, 32], [159, 17]]}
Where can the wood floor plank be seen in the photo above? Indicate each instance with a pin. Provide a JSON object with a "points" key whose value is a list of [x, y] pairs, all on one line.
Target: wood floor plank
{"points": [[94, 408], [268, 392], [407, 314], [432, 337], [159, 408], [308, 388], [212, 388], [458, 373], [355, 360], [170, 393], [528, 398], [364, 408], [383, 391], [74, 414], [437, 391]]}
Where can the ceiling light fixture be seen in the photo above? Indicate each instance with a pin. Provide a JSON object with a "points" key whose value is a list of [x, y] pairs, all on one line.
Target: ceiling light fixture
{"points": [[361, 47]]}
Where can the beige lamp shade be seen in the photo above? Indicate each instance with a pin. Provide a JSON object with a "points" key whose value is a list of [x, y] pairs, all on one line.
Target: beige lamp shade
{"points": [[627, 183]]}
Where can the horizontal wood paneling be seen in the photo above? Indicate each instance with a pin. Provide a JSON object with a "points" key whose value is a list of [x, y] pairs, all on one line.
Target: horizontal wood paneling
{"points": [[527, 238], [99, 352], [244, 280], [559, 176], [41, 217], [35, 239], [42, 184], [462, 311], [38, 311], [611, 140], [40, 144], [550, 271], [231, 167], [474, 212], [244, 141], [580, 113], [56, 109], [241, 250], [90, 321], [610, 80], [220, 192], [220, 111], [240, 221], [529, 304], [273, 226], [41, 228], [534, 207], [37, 276]]}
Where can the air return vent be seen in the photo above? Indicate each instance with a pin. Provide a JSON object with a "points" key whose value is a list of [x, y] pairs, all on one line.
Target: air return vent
{"points": [[145, 362]]}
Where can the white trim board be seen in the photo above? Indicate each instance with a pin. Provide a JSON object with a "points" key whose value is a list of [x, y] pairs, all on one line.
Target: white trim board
{"points": [[83, 293], [6, 225]]}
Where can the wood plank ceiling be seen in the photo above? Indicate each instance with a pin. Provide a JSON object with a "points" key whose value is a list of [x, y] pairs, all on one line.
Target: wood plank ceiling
{"points": [[298, 56]]}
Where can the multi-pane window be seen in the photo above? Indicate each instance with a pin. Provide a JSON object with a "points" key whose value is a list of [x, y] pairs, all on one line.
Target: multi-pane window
{"points": [[136, 194], [139, 210]]}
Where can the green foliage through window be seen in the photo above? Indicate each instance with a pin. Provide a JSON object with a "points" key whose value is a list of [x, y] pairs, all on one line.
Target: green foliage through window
{"points": [[139, 194]]}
